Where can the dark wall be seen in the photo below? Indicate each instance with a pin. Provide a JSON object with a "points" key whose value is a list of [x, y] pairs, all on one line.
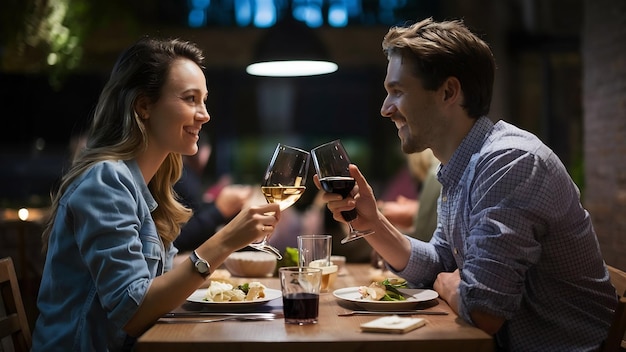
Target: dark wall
{"points": [[39, 111], [604, 100], [344, 104]]}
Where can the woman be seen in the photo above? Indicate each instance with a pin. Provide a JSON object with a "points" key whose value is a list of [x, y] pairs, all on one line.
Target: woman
{"points": [[108, 274]]}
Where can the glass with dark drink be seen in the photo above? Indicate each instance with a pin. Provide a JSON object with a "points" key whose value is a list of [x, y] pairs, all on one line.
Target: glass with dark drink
{"points": [[301, 293], [301, 307], [331, 164], [342, 185]]}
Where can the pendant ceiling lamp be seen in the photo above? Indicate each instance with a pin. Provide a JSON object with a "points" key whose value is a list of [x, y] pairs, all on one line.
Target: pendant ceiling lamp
{"points": [[290, 49]]}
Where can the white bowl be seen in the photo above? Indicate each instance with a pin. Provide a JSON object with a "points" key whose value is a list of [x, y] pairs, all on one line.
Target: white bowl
{"points": [[340, 261], [251, 264]]}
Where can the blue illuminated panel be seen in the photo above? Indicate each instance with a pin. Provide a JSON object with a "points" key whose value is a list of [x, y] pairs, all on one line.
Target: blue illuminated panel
{"points": [[315, 13]]}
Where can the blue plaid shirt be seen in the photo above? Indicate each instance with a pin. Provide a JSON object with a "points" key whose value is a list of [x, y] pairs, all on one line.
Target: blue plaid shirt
{"points": [[511, 220]]}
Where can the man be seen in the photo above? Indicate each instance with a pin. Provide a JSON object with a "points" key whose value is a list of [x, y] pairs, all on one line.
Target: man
{"points": [[514, 253]]}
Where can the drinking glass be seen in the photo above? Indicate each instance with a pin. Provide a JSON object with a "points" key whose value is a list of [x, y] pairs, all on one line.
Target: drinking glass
{"points": [[283, 183], [315, 251], [331, 164], [300, 288]]}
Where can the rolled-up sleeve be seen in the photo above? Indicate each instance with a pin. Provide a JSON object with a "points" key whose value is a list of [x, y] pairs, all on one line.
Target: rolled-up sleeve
{"points": [[425, 261]]}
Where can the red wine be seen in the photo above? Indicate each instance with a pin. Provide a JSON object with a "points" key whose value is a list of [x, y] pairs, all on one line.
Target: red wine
{"points": [[342, 185], [301, 307], [338, 184]]}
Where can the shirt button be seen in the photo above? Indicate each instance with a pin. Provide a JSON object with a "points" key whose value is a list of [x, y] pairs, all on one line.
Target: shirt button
{"points": [[444, 198], [456, 251]]}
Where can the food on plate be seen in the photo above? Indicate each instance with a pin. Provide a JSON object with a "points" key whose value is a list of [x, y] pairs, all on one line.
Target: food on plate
{"points": [[221, 275], [225, 292], [374, 292], [253, 290], [380, 275], [386, 290]]}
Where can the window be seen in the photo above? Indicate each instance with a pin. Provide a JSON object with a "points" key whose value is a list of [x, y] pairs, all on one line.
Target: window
{"points": [[315, 13]]}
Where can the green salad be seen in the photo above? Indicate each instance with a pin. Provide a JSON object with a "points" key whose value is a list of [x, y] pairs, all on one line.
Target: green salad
{"points": [[386, 290]]}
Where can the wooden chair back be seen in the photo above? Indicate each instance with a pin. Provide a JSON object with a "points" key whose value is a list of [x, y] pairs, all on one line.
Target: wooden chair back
{"points": [[13, 320], [615, 340], [618, 279]]}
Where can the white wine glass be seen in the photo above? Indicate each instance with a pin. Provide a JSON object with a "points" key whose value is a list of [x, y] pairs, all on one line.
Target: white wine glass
{"points": [[283, 183], [331, 164]]}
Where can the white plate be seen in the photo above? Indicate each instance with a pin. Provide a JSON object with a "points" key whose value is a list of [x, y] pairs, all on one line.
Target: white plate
{"points": [[414, 297], [198, 297]]}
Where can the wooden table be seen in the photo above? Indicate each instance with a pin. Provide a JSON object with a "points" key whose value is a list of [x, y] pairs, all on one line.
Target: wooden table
{"points": [[331, 333]]}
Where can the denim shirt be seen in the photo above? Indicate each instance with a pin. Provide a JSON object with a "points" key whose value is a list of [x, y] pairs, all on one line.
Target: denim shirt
{"points": [[510, 219], [103, 252]]}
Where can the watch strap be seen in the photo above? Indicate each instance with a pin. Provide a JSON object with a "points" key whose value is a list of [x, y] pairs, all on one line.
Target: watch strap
{"points": [[200, 265]]}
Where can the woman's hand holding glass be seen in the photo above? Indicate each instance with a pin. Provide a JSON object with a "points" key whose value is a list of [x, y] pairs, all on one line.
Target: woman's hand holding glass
{"points": [[283, 184], [252, 224]]}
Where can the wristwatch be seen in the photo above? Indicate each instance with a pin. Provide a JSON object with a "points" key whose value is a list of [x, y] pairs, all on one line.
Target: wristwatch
{"points": [[201, 265]]}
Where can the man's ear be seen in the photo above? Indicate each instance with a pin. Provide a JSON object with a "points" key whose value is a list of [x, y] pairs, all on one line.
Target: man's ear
{"points": [[451, 89]]}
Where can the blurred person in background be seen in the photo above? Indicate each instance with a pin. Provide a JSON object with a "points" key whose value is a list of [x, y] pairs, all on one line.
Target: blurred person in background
{"points": [[417, 217], [109, 271], [515, 252], [213, 206]]}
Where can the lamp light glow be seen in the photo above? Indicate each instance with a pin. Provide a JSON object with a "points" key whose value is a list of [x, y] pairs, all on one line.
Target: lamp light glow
{"points": [[290, 49], [291, 68], [23, 214]]}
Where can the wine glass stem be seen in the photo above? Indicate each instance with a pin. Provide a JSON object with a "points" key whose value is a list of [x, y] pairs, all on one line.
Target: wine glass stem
{"points": [[358, 233], [352, 230], [264, 247]]}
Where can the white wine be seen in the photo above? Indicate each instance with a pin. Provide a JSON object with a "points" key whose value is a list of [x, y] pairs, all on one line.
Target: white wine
{"points": [[285, 196]]}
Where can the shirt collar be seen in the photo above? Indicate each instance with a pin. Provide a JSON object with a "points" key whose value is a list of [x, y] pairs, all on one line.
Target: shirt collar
{"points": [[451, 173], [138, 176]]}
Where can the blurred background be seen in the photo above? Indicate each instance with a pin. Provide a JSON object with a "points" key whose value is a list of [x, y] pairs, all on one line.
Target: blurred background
{"points": [[561, 75]]}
